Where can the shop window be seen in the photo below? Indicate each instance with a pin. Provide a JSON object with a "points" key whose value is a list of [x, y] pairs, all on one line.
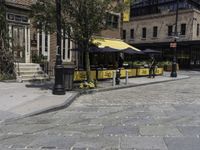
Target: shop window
{"points": [[124, 34], [170, 30], [197, 29], [155, 31], [144, 32], [66, 46], [183, 29], [132, 33]]}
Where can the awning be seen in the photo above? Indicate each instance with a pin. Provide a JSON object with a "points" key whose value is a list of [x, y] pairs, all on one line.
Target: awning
{"points": [[117, 44]]}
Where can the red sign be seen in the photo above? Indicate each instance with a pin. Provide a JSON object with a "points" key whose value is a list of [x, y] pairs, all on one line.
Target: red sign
{"points": [[173, 45]]}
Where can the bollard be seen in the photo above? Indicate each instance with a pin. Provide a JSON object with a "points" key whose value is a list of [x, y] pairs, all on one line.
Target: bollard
{"points": [[114, 78], [126, 81], [118, 77]]}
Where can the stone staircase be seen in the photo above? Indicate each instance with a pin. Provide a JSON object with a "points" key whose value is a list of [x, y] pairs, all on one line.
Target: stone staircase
{"points": [[29, 72]]}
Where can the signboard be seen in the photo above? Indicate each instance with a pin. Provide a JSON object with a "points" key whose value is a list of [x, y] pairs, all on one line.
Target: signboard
{"points": [[81, 75], [143, 72], [105, 74], [131, 72], [126, 13], [173, 45]]}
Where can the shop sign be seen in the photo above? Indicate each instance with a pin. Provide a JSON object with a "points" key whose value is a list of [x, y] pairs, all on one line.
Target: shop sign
{"points": [[17, 18]]}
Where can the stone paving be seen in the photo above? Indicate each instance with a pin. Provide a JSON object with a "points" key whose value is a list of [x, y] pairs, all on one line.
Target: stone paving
{"points": [[164, 116]]}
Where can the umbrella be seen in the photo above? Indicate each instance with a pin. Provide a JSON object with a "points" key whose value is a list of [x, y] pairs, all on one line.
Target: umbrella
{"points": [[151, 51], [131, 51]]}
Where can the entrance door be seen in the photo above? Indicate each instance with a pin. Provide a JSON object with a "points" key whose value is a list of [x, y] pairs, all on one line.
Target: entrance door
{"points": [[18, 44]]}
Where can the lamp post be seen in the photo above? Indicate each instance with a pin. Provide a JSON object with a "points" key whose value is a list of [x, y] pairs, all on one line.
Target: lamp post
{"points": [[174, 69], [58, 88]]}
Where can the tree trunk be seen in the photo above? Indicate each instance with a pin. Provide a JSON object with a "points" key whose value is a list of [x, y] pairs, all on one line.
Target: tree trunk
{"points": [[87, 65]]}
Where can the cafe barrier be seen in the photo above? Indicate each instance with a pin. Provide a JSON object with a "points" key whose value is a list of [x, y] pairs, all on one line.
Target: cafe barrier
{"points": [[108, 74], [81, 75]]}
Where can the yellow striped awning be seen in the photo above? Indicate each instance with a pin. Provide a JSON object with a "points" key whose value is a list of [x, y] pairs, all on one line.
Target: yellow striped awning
{"points": [[112, 43]]}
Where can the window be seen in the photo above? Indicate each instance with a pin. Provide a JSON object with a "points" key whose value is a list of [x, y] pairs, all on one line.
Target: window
{"points": [[124, 34], [155, 31], [183, 29], [66, 46], [43, 42], [144, 32], [197, 29], [170, 30], [132, 33], [112, 20]]}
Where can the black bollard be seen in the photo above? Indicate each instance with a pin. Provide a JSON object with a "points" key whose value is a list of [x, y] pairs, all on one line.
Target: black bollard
{"points": [[117, 77]]}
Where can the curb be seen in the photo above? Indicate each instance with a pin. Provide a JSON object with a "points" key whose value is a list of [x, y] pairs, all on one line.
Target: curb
{"points": [[92, 91], [65, 104]]}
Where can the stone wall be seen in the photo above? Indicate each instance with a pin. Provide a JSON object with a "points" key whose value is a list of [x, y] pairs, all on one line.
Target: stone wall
{"points": [[162, 21]]}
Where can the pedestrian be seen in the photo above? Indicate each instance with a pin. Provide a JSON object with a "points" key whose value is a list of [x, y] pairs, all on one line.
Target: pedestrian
{"points": [[152, 67]]}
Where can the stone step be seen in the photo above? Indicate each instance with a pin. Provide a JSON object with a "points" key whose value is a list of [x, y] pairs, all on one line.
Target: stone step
{"points": [[33, 77], [30, 71], [27, 64]]}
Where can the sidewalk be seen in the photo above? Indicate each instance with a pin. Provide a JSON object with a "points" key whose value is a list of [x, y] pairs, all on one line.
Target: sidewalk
{"points": [[24, 99]]}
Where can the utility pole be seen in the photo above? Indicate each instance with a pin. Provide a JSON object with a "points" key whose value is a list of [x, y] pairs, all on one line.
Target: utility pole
{"points": [[58, 88], [174, 69]]}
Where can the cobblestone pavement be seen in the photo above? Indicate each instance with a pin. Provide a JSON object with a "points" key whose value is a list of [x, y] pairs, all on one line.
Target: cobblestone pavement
{"points": [[163, 116]]}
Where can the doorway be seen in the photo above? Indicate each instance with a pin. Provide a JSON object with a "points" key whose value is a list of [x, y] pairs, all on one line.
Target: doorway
{"points": [[18, 43]]}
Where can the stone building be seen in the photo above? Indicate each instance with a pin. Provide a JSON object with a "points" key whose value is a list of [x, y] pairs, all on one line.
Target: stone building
{"points": [[152, 25]]}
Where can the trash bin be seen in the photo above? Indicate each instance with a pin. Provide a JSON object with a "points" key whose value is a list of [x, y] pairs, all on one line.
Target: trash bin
{"points": [[68, 77]]}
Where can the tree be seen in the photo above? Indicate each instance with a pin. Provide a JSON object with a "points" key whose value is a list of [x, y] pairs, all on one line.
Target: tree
{"points": [[3, 26], [6, 57], [83, 18]]}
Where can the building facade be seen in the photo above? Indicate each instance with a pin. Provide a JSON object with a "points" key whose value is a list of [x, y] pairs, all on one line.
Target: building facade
{"points": [[152, 25], [28, 42]]}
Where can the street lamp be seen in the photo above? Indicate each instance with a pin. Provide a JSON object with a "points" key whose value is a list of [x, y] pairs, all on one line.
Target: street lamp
{"points": [[174, 73], [58, 88]]}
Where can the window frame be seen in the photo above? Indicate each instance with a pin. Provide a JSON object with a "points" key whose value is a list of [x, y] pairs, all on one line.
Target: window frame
{"points": [[144, 33], [155, 31]]}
